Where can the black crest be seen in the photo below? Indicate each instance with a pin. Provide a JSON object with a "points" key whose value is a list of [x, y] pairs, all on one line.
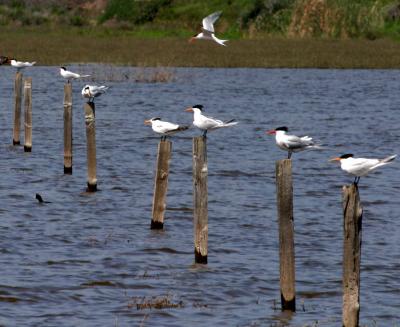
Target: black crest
{"points": [[347, 155], [198, 106], [63, 67], [156, 118], [282, 128]]}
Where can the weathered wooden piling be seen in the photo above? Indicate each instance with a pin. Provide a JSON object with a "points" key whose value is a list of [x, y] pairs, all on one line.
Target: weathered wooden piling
{"points": [[17, 107], [28, 114], [284, 192], [200, 199], [91, 146], [352, 224], [67, 128], [161, 184]]}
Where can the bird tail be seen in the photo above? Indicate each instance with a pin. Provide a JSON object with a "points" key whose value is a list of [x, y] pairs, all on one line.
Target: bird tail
{"points": [[388, 159], [182, 128], [85, 75], [33, 62], [231, 122]]}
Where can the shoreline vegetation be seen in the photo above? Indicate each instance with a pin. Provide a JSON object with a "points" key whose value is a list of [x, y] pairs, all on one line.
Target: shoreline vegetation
{"points": [[75, 45], [153, 33]]}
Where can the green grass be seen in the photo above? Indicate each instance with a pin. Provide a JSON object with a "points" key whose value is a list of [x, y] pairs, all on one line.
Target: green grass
{"points": [[74, 45]]}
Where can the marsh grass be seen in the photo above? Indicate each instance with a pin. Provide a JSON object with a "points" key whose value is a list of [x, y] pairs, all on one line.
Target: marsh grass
{"points": [[113, 73], [154, 302], [68, 46]]}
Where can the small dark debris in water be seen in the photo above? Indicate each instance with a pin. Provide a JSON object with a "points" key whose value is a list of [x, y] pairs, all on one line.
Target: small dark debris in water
{"points": [[98, 283], [40, 199], [180, 209], [154, 302], [10, 299]]}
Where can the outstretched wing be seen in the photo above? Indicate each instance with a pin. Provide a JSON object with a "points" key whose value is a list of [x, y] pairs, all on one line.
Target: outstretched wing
{"points": [[208, 22]]}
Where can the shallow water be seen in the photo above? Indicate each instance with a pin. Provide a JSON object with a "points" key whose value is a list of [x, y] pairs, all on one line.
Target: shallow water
{"points": [[89, 259]]}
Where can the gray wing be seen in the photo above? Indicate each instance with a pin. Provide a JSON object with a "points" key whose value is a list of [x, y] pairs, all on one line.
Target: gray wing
{"points": [[208, 22], [294, 142]]}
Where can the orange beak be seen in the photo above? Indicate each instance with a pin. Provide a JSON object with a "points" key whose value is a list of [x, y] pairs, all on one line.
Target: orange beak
{"points": [[190, 109], [271, 132], [335, 159], [147, 122]]}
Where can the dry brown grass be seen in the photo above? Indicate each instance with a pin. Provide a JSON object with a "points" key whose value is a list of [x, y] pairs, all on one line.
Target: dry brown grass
{"points": [[62, 47], [154, 302]]}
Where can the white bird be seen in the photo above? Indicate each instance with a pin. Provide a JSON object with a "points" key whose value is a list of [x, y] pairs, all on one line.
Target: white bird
{"points": [[93, 91], [291, 143], [208, 29], [20, 64], [163, 127], [207, 123], [68, 75], [361, 166]]}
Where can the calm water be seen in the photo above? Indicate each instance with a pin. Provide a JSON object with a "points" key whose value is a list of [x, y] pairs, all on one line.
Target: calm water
{"points": [[89, 259]]}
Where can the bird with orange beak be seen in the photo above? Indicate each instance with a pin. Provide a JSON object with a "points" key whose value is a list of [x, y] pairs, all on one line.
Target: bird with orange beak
{"points": [[361, 166], [291, 143], [163, 127], [207, 123]]}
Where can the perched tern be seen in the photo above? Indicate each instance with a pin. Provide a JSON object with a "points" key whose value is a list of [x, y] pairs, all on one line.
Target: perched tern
{"points": [[207, 30], [361, 166], [20, 64], [68, 75], [207, 123], [163, 127], [291, 143], [93, 91]]}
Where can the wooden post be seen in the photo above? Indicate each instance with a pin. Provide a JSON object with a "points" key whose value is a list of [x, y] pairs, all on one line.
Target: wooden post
{"points": [[352, 211], [284, 192], [28, 114], [161, 184], [91, 146], [200, 199], [68, 128], [17, 107]]}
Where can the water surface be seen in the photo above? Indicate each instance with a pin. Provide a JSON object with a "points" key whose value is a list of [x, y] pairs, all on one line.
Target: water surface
{"points": [[89, 259]]}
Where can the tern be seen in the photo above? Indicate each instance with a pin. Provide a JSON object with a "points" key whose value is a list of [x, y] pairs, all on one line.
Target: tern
{"points": [[20, 64], [68, 75], [361, 166], [291, 143], [163, 127], [93, 91], [207, 123], [207, 32]]}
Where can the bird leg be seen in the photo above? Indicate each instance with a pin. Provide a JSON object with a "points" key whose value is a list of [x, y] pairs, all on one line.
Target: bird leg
{"points": [[289, 154], [205, 134], [356, 180]]}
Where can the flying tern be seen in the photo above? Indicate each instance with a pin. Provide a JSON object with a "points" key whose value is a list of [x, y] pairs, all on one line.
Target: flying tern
{"points": [[291, 143], [68, 75], [207, 123], [93, 91], [20, 64], [164, 128], [361, 166], [207, 30]]}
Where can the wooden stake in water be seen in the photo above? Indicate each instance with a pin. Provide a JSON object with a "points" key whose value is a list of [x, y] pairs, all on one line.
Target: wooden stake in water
{"points": [[17, 107], [161, 184], [67, 128], [91, 146], [28, 114], [200, 199], [352, 212], [284, 192]]}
